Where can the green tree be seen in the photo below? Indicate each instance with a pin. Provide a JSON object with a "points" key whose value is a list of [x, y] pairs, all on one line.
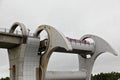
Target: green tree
{"points": [[106, 76], [7, 78]]}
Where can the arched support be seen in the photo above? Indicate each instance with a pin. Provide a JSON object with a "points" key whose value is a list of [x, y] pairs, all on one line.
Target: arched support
{"points": [[101, 46], [23, 29], [55, 39]]}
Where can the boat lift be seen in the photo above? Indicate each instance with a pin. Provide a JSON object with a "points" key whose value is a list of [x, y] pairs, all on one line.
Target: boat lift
{"points": [[57, 42]]}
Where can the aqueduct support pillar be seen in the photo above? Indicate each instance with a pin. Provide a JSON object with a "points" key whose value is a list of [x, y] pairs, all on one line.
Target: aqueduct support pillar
{"points": [[24, 60]]}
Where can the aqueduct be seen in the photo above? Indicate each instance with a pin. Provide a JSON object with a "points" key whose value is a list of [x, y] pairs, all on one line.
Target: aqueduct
{"points": [[29, 55]]}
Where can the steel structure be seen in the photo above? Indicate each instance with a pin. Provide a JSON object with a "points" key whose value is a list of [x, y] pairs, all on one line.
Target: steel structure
{"points": [[29, 55]]}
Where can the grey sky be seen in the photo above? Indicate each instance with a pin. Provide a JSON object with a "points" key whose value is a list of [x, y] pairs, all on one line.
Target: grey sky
{"points": [[74, 18]]}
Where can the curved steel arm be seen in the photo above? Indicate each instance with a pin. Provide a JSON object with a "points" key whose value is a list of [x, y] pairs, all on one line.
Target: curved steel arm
{"points": [[55, 40], [101, 46], [23, 29]]}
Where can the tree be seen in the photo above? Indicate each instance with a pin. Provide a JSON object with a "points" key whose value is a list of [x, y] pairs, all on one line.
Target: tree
{"points": [[106, 76], [7, 78]]}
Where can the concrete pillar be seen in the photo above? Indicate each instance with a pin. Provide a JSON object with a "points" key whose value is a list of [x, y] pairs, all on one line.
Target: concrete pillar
{"points": [[24, 60]]}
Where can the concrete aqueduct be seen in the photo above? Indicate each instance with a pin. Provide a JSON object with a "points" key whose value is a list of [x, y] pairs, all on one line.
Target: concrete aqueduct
{"points": [[29, 55]]}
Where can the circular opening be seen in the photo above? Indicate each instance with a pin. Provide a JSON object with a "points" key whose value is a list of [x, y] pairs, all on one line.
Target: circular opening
{"points": [[43, 41], [88, 56], [90, 42], [18, 30], [43, 35]]}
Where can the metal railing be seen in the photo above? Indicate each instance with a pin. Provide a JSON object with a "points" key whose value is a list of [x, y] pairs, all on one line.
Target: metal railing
{"points": [[17, 32]]}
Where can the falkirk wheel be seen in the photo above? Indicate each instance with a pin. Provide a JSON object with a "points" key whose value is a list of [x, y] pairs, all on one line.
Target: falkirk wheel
{"points": [[29, 55]]}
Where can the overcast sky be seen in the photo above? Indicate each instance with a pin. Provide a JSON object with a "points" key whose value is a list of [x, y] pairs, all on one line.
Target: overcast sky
{"points": [[74, 18]]}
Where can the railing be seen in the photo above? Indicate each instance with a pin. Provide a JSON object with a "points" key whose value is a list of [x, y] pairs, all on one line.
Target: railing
{"points": [[17, 32], [78, 41]]}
